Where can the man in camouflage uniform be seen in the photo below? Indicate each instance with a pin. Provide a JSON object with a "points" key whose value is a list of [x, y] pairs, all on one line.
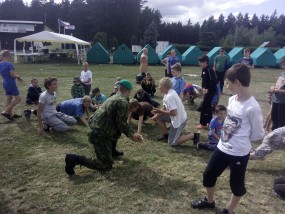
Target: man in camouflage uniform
{"points": [[106, 126], [274, 140]]}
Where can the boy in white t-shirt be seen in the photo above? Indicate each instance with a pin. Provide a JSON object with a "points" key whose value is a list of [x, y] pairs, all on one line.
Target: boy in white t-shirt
{"points": [[48, 117], [86, 78], [243, 124], [172, 112]]}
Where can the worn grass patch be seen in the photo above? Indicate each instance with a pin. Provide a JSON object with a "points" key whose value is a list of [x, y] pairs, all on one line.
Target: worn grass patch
{"points": [[151, 178]]}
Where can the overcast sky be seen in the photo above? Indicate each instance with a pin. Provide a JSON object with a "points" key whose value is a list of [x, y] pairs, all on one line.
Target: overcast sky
{"points": [[198, 10]]}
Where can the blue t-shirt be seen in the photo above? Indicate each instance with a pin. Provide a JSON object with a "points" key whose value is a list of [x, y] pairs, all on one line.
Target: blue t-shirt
{"points": [[171, 61], [246, 61], [99, 99], [73, 107], [215, 124], [5, 68], [178, 84], [216, 96]]}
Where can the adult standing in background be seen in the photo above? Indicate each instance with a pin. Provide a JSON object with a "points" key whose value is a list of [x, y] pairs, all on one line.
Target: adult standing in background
{"points": [[86, 78], [221, 64], [165, 63], [172, 60], [246, 59]]}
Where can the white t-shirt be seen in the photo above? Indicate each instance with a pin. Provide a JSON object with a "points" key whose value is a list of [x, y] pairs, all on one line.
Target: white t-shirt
{"points": [[172, 101], [48, 101], [85, 76], [244, 123]]}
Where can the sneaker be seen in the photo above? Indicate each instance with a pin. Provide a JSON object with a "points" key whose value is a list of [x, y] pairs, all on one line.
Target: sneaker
{"points": [[27, 114], [202, 204], [224, 211], [196, 138], [162, 137], [70, 163], [116, 154], [46, 127], [198, 145], [7, 115]]}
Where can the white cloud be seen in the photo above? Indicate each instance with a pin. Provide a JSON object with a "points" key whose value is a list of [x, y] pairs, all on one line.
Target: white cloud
{"points": [[198, 10]]}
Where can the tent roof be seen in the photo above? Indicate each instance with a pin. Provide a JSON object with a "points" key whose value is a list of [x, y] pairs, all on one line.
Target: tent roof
{"points": [[235, 51], [46, 36], [280, 53], [259, 51]]}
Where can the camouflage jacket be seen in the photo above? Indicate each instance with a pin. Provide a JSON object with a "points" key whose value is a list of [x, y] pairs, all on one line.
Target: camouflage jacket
{"points": [[110, 119]]}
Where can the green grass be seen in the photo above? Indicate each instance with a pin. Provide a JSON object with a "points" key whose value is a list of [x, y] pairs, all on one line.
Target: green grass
{"points": [[151, 178]]}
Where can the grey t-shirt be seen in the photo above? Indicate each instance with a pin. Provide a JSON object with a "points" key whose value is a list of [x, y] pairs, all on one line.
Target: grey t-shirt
{"points": [[48, 100], [280, 84]]}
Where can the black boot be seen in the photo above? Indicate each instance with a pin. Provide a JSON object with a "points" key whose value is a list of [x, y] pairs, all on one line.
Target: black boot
{"points": [[71, 160], [115, 152]]}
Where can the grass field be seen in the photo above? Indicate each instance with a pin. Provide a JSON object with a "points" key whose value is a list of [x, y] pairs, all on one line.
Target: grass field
{"points": [[150, 178]]}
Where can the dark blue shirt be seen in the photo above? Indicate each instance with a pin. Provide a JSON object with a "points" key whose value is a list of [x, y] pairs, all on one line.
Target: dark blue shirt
{"points": [[5, 69]]}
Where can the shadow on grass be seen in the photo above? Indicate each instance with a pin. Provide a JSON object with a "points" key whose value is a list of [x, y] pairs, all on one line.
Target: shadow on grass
{"points": [[4, 208], [136, 176]]}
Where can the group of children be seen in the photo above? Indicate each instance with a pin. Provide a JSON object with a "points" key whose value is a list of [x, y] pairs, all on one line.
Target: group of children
{"points": [[231, 131]]}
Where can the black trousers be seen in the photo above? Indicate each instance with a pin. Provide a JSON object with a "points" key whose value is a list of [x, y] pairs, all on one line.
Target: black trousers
{"points": [[218, 163], [278, 115], [206, 108], [87, 89], [221, 79]]}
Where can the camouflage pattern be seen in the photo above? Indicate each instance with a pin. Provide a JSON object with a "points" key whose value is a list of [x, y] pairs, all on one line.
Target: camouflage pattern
{"points": [[106, 126], [274, 140]]}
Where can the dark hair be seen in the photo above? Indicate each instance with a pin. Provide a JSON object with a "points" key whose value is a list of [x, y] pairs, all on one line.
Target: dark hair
{"points": [[204, 58], [95, 90], [220, 108], [239, 72], [5, 54], [48, 81]]}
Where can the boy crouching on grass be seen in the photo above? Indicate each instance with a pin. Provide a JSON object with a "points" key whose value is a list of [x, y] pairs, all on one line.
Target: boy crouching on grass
{"points": [[242, 125], [48, 117], [216, 127], [172, 112]]}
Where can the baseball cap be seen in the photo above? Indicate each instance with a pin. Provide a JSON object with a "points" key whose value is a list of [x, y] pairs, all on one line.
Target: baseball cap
{"points": [[127, 84]]}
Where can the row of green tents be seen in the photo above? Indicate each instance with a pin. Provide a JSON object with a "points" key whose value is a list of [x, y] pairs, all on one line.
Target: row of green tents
{"points": [[262, 57]]}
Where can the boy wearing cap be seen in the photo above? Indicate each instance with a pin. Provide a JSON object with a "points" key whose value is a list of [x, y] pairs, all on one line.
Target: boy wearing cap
{"points": [[106, 126], [77, 90]]}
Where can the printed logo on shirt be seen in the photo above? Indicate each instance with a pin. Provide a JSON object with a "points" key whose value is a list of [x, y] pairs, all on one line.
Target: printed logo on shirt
{"points": [[231, 125], [238, 163], [52, 101]]}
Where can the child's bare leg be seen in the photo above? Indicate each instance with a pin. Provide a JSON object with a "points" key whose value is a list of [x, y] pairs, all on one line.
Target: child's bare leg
{"points": [[8, 102], [162, 125], [210, 194], [232, 203], [183, 138], [11, 103]]}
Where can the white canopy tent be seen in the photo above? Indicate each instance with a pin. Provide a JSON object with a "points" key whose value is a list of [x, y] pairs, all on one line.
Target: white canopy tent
{"points": [[46, 36]]}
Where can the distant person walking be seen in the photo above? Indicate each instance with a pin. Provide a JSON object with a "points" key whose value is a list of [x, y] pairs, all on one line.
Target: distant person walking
{"points": [[143, 66], [246, 59], [86, 78], [172, 60], [9, 76], [221, 64]]}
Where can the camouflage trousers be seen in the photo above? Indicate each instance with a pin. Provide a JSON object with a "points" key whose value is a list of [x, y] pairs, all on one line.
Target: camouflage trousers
{"points": [[274, 140], [103, 147]]}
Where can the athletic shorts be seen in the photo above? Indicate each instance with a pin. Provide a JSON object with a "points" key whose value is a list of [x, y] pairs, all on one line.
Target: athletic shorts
{"points": [[11, 89], [174, 133]]}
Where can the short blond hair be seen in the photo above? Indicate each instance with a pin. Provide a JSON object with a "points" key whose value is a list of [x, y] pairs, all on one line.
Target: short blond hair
{"points": [[134, 103], [85, 64], [6, 54], [86, 99], [165, 82]]}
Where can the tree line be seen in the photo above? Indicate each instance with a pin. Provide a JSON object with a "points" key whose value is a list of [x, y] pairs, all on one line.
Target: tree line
{"points": [[132, 22]]}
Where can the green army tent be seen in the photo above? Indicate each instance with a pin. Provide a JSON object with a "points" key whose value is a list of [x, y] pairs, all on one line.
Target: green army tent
{"points": [[280, 54], [163, 54], [191, 55], [98, 55], [263, 57], [213, 53], [123, 55], [152, 55], [235, 54]]}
